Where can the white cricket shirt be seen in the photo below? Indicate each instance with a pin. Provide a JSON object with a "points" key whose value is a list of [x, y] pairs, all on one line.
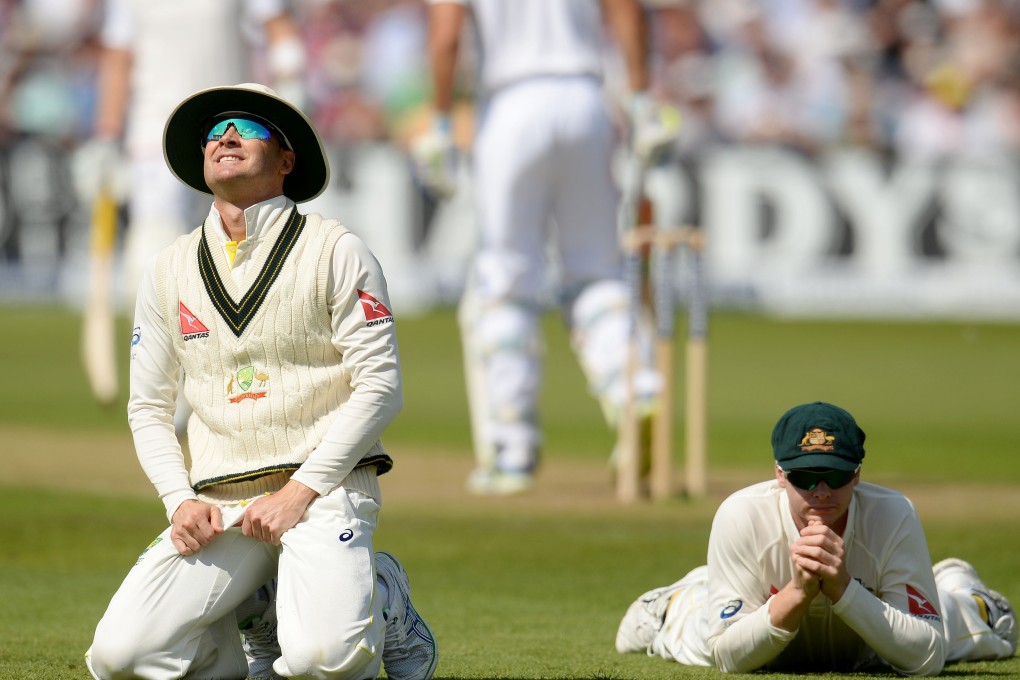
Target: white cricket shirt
{"points": [[891, 608], [519, 39]]}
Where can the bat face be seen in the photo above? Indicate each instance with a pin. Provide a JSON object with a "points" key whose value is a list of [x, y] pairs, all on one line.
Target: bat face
{"points": [[98, 347]]}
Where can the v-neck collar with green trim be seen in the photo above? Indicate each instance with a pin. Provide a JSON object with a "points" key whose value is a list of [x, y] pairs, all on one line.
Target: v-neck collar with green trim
{"points": [[223, 290]]}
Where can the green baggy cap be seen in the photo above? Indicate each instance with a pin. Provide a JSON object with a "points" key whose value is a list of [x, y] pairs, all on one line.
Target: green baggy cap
{"points": [[818, 435]]}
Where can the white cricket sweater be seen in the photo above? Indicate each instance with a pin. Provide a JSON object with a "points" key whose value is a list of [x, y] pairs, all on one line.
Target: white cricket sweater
{"points": [[287, 367]]}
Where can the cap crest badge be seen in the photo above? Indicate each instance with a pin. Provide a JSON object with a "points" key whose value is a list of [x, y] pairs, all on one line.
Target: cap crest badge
{"points": [[817, 439]]}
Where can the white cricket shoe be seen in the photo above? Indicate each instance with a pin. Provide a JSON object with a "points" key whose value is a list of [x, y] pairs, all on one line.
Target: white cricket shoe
{"points": [[647, 614], [410, 651], [954, 574], [256, 618]]}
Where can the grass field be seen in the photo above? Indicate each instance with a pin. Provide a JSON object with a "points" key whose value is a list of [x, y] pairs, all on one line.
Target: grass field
{"points": [[529, 587]]}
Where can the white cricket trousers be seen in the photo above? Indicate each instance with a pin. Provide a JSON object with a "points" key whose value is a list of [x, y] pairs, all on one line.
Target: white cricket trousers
{"points": [[543, 177], [173, 616], [546, 202]]}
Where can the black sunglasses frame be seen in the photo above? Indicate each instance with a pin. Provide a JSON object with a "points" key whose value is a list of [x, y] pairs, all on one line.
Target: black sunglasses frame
{"points": [[807, 480]]}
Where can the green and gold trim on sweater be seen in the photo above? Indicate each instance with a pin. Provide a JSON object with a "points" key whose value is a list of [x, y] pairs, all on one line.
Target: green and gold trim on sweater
{"points": [[381, 461], [239, 314]]}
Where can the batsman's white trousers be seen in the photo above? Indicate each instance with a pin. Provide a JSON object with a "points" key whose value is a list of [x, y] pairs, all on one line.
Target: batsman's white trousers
{"points": [[173, 616], [543, 188], [543, 173]]}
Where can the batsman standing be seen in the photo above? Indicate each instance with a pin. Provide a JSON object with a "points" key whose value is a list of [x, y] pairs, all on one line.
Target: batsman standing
{"points": [[281, 321], [817, 571], [543, 182]]}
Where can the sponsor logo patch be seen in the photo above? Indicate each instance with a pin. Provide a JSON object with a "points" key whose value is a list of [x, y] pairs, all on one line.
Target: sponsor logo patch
{"points": [[375, 311], [731, 609], [919, 606], [246, 383], [149, 547], [191, 326], [136, 338]]}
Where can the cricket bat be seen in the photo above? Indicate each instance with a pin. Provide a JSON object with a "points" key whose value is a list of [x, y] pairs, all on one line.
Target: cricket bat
{"points": [[98, 349]]}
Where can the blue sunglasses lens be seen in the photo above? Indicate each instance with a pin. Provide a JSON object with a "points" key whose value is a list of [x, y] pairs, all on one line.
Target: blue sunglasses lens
{"points": [[807, 480], [247, 129]]}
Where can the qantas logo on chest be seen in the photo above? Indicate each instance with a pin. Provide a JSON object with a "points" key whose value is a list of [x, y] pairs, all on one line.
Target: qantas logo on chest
{"points": [[191, 326], [375, 311]]}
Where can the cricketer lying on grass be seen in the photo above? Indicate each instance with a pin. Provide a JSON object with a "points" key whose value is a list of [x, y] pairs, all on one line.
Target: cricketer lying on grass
{"points": [[815, 570]]}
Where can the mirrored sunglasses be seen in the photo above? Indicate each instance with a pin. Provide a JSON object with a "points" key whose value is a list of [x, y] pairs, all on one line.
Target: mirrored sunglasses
{"points": [[807, 480], [247, 128]]}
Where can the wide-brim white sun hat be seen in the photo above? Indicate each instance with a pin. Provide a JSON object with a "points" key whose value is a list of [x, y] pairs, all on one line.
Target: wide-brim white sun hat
{"points": [[183, 145]]}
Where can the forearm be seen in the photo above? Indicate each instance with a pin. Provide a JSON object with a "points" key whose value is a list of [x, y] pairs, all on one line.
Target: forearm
{"points": [[286, 59], [445, 21], [285, 52], [750, 643], [162, 460], [911, 645], [360, 424], [789, 606], [114, 85], [626, 21]]}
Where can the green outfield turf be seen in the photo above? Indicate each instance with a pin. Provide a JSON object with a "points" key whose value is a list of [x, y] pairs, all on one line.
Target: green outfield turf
{"points": [[528, 587]]}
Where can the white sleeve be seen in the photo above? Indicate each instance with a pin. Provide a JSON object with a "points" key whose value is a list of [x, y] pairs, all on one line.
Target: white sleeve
{"points": [[751, 642], [912, 643], [370, 358], [155, 371], [742, 638]]}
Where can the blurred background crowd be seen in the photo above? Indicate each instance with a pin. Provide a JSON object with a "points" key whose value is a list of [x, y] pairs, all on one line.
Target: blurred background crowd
{"points": [[922, 79]]}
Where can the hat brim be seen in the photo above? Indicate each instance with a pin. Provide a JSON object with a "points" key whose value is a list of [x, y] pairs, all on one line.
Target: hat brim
{"points": [[182, 144], [825, 461]]}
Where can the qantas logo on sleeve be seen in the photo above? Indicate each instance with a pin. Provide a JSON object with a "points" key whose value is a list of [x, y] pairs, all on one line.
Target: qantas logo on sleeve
{"points": [[375, 311], [191, 326], [919, 606]]}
